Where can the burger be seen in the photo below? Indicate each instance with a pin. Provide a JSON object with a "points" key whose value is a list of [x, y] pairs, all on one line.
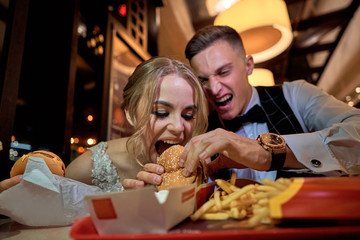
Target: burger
{"points": [[53, 161], [172, 176]]}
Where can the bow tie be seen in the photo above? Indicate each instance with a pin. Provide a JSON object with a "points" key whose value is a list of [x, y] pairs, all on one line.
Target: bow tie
{"points": [[255, 114]]}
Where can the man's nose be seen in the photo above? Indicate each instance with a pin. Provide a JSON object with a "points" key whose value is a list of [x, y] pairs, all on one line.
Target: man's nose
{"points": [[214, 85]]}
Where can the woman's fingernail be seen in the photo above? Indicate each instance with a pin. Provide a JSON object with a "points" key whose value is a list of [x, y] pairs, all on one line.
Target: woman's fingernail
{"points": [[157, 179], [159, 170], [181, 162], [139, 183]]}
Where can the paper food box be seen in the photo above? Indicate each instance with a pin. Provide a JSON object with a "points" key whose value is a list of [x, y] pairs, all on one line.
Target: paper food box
{"points": [[318, 198], [144, 210]]}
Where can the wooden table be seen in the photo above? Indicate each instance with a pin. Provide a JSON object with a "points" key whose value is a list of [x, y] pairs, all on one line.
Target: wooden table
{"points": [[11, 230]]}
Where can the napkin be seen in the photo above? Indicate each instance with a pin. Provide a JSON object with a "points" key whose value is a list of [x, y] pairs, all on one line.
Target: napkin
{"points": [[45, 199]]}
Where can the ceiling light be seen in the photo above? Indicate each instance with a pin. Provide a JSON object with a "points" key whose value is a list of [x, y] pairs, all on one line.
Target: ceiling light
{"points": [[264, 26], [214, 7]]}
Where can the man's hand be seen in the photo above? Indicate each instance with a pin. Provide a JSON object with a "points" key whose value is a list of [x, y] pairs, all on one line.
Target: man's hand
{"points": [[242, 151], [10, 182], [149, 175], [222, 162]]}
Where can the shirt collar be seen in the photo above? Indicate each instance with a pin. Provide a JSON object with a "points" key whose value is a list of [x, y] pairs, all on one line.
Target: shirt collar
{"points": [[253, 100]]}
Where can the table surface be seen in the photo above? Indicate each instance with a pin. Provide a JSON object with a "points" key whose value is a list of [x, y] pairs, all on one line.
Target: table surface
{"points": [[11, 230]]}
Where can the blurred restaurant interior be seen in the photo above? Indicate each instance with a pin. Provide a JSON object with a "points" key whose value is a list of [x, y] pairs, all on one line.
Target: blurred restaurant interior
{"points": [[64, 63]]}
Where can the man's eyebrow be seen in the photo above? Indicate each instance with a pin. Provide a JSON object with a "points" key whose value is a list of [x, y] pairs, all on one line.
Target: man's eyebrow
{"points": [[216, 71], [222, 67]]}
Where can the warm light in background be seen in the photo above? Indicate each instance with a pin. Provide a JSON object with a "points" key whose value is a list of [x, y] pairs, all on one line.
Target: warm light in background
{"points": [[264, 26], [74, 140], [90, 118], [81, 150], [91, 141], [261, 77]]}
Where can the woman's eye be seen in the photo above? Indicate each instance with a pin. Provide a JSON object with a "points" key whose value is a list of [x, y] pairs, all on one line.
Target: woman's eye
{"points": [[188, 116], [161, 114]]}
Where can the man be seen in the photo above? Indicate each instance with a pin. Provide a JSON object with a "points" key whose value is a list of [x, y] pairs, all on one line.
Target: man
{"points": [[322, 134], [315, 132]]}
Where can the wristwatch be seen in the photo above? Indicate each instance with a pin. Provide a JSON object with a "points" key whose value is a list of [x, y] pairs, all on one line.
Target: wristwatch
{"points": [[276, 145]]}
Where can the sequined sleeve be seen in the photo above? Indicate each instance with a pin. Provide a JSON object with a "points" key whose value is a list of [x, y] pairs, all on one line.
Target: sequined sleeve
{"points": [[104, 172]]}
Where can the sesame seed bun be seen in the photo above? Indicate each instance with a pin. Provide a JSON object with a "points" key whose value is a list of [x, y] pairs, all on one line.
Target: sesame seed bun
{"points": [[54, 162], [173, 177]]}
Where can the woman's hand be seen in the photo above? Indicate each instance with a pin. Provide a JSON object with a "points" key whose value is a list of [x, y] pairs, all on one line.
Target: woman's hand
{"points": [[10, 182], [149, 175]]}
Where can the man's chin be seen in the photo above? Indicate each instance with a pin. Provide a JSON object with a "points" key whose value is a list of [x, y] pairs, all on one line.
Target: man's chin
{"points": [[227, 116]]}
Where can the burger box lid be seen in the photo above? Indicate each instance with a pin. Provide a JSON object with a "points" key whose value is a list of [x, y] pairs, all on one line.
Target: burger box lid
{"points": [[318, 198], [142, 210]]}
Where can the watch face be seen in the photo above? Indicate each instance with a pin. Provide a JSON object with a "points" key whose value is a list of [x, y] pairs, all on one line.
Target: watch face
{"points": [[273, 140]]}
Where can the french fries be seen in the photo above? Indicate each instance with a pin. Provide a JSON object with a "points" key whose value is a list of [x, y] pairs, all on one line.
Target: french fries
{"points": [[249, 203]]}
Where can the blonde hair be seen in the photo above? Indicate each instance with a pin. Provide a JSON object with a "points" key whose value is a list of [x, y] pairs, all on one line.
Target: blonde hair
{"points": [[145, 83]]}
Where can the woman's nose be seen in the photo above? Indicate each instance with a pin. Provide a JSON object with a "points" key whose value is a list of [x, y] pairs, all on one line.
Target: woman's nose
{"points": [[176, 125]]}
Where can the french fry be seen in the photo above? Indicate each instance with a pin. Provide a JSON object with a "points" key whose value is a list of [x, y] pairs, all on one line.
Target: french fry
{"points": [[249, 203], [256, 218], [217, 200], [266, 188], [237, 194], [285, 181], [224, 185], [237, 214], [277, 185], [203, 209], [233, 179], [215, 216]]}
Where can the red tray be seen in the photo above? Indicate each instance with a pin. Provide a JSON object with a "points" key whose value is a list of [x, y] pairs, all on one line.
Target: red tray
{"points": [[83, 228]]}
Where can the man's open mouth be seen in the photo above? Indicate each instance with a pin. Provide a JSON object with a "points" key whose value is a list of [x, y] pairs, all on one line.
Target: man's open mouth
{"points": [[224, 100]]}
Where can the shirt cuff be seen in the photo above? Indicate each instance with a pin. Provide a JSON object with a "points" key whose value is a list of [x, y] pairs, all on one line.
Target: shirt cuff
{"points": [[311, 151]]}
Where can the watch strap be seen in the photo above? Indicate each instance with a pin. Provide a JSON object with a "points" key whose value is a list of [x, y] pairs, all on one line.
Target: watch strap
{"points": [[277, 161]]}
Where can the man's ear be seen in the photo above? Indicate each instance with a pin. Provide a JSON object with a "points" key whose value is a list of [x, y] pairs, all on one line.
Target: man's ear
{"points": [[128, 117], [249, 64]]}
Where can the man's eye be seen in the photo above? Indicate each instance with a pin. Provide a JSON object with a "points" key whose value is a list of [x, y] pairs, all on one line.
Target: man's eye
{"points": [[203, 80], [161, 114], [224, 73]]}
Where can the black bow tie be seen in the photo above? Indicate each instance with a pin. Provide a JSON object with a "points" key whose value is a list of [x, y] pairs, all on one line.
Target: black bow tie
{"points": [[255, 114]]}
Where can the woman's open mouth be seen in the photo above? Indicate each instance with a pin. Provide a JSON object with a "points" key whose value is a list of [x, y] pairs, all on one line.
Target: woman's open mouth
{"points": [[161, 146]]}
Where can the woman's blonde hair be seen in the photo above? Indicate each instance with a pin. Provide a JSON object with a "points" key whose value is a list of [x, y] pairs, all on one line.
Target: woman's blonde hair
{"points": [[145, 83]]}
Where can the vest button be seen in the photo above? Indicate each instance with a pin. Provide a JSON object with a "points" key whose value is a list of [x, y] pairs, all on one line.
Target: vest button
{"points": [[315, 163]]}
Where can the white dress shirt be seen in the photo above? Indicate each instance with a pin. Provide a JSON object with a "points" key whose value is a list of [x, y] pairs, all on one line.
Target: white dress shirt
{"points": [[331, 138]]}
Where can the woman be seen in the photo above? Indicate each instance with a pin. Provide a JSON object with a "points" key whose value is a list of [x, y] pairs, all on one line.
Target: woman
{"points": [[165, 104]]}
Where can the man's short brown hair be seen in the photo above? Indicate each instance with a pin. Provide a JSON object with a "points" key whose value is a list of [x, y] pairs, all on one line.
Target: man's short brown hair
{"points": [[211, 34]]}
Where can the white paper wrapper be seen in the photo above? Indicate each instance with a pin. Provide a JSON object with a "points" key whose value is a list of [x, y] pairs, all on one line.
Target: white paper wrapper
{"points": [[45, 199]]}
